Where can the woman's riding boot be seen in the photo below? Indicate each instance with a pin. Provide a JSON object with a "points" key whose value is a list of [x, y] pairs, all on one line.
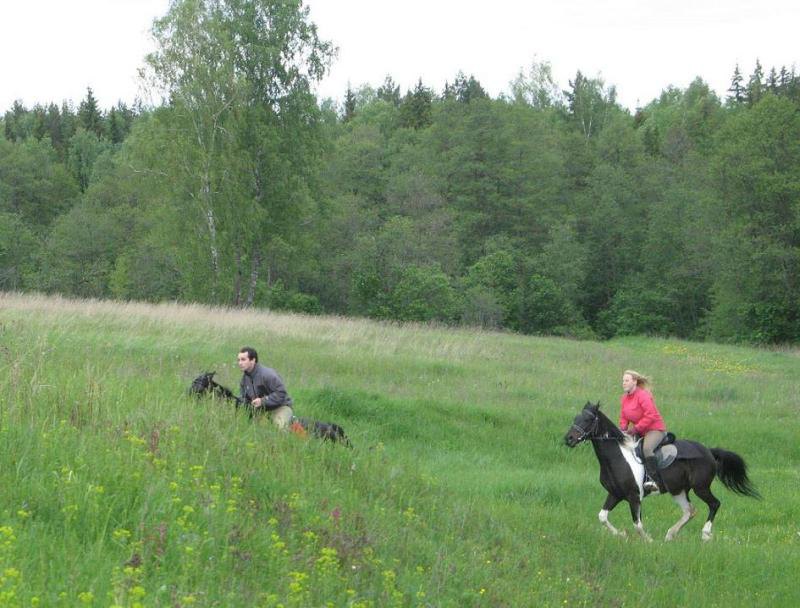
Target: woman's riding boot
{"points": [[651, 466]]}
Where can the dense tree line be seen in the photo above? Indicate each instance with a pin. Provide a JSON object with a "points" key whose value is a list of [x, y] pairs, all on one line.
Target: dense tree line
{"points": [[540, 211]]}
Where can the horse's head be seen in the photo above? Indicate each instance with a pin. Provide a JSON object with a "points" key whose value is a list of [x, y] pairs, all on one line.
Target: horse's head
{"points": [[585, 424], [203, 383]]}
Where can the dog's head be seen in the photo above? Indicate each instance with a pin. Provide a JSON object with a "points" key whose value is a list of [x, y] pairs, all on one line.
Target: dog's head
{"points": [[202, 383]]}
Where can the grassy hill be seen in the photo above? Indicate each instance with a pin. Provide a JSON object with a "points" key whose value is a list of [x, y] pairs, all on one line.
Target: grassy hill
{"points": [[118, 489]]}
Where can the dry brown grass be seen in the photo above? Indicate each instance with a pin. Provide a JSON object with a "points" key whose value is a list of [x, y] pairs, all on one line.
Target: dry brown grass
{"points": [[367, 336]]}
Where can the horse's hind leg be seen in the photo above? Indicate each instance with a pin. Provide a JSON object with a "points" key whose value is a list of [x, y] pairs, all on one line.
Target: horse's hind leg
{"points": [[611, 502], [688, 512], [704, 493]]}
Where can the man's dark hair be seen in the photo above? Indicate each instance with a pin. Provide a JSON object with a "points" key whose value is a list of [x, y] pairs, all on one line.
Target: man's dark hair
{"points": [[251, 352]]}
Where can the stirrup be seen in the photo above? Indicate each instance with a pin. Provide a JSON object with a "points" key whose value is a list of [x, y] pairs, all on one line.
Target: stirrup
{"points": [[651, 487]]}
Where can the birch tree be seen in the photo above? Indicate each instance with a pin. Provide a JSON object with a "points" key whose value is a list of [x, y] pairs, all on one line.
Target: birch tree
{"points": [[237, 75]]}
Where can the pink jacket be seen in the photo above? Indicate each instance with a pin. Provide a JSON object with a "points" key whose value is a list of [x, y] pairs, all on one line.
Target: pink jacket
{"points": [[638, 407]]}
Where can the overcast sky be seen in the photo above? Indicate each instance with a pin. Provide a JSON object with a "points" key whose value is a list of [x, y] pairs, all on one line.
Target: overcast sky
{"points": [[51, 50]]}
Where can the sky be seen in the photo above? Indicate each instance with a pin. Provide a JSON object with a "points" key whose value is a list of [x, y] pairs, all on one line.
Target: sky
{"points": [[52, 50]]}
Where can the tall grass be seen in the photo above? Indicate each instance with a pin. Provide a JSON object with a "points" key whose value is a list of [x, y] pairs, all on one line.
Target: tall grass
{"points": [[118, 489]]}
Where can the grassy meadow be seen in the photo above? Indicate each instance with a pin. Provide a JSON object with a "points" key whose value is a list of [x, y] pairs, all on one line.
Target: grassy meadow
{"points": [[119, 489]]}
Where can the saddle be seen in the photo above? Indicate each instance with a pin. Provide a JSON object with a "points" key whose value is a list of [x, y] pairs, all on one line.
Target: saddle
{"points": [[666, 451]]}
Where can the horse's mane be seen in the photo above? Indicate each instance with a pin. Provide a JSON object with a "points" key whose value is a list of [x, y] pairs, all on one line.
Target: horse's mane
{"points": [[610, 428]]}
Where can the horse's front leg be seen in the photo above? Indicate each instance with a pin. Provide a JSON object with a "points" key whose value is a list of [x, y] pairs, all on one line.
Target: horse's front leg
{"points": [[611, 502], [636, 513]]}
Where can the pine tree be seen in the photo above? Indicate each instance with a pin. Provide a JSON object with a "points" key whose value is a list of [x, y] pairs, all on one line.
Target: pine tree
{"points": [[755, 86], [793, 87], [652, 140], [55, 129], [89, 114], [128, 115], [69, 121], [448, 93], [119, 121], [12, 122], [783, 80], [389, 91], [349, 105], [773, 83], [736, 90], [39, 128], [466, 89], [417, 107]]}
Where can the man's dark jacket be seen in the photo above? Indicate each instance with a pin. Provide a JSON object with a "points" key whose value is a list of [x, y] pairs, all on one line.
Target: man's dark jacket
{"points": [[264, 382]]}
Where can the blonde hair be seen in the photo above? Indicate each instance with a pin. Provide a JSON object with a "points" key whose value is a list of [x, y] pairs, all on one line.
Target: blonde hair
{"points": [[642, 381]]}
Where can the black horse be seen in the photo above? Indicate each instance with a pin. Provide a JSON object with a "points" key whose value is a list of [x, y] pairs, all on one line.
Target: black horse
{"points": [[622, 474], [327, 431]]}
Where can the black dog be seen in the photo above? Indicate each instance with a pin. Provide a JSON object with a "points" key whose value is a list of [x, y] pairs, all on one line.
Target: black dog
{"points": [[327, 431], [204, 383]]}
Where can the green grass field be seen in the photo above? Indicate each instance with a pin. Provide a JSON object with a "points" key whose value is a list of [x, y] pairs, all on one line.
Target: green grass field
{"points": [[118, 489]]}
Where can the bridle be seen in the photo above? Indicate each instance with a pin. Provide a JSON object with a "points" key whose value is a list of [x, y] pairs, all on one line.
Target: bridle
{"points": [[590, 431]]}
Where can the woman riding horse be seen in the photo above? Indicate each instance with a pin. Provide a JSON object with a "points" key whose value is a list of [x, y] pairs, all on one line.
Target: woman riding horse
{"points": [[639, 415], [622, 475]]}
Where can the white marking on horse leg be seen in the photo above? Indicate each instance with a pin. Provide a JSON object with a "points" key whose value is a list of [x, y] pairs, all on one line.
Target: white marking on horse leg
{"points": [[688, 512], [642, 533], [707, 531], [603, 517]]}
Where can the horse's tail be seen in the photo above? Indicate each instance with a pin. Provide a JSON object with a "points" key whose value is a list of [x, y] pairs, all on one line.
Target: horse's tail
{"points": [[732, 472]]}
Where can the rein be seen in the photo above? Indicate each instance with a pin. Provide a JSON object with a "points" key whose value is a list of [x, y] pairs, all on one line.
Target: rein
{"points": [[592, 431], [587, 432]]}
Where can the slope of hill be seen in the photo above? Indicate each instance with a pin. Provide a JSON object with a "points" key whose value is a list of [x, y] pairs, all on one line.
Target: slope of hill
{"points": [[119, 489]]}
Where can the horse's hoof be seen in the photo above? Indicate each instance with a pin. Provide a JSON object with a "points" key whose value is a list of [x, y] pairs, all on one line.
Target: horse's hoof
{"points": [[706, 537], [645, 537]]}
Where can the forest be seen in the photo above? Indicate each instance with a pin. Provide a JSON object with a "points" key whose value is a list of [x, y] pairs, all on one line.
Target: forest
{"points": [[541, 211]]}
